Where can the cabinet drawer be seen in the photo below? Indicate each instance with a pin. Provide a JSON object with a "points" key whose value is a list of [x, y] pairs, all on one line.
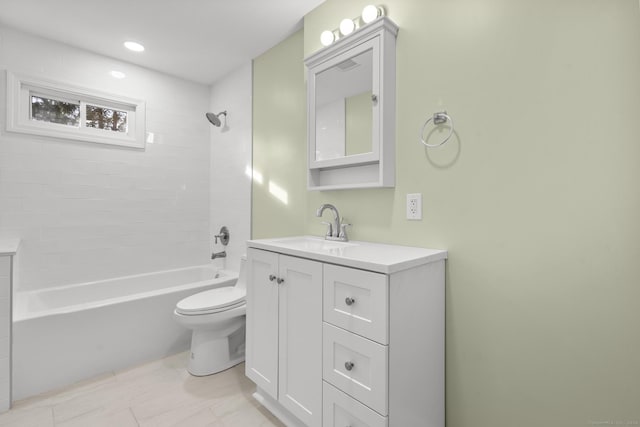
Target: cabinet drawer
{"points": [[357, 301], [340, 410], [356, 365]]}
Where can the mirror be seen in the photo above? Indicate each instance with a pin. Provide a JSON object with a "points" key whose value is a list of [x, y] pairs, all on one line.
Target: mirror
{"points": [[351, 110], [344, 108]]}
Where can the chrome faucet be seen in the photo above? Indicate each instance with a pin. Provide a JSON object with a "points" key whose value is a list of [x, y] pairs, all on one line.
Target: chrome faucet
{"points": [[222, 254], [335, 230]]}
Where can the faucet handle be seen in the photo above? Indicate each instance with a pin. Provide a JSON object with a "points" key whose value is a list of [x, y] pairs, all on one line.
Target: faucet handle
{"points": [[329, 228], [343, 231], [224, 236]]}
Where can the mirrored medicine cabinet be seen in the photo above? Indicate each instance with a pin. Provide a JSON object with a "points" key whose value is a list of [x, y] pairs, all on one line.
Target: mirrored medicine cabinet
{"points": [[351, 110]]}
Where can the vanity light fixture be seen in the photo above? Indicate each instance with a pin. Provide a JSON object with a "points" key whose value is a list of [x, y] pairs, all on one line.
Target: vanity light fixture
{"points": [[347, 26], [327, 37], [133, 46], [371, 12]]}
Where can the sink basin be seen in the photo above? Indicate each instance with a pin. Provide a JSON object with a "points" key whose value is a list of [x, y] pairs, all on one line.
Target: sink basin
{"points": [[316, 244]]}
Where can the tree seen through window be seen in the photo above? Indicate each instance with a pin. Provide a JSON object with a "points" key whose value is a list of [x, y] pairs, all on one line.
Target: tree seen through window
{"points": [[55, 111], [106, 118]]}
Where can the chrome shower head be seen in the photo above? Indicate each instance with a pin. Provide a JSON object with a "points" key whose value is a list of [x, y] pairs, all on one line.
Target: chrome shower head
{"points": [[214, 118]]}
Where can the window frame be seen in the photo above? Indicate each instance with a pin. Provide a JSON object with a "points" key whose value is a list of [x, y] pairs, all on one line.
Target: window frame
{"points": [[20, 88]]}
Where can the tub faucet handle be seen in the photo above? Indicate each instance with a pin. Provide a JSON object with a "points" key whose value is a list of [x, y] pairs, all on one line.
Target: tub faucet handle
{"points": [[224, 236]]}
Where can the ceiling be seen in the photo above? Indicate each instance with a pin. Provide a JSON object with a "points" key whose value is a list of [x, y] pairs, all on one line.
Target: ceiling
{"points": [[198, 40]]}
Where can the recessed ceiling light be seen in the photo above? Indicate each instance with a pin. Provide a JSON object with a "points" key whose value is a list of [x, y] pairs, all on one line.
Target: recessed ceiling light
{"points": [[118, 74], [136, 47]]}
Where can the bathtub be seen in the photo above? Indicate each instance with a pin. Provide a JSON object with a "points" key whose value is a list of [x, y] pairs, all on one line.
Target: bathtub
{"points": [[70, 333]]}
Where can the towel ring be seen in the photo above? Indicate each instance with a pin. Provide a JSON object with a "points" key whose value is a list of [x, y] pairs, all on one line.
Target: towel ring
{"points": [[437, 119]]}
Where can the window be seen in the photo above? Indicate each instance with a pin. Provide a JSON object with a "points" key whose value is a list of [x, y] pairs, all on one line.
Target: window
{"points": [[57, 110], [106, 118]]}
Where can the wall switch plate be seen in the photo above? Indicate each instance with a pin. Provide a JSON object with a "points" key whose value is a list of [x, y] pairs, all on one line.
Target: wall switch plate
{"points": [[414, 206]]}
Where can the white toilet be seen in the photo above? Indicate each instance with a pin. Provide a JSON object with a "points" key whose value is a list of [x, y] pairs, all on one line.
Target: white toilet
{"points": [[217, 318]]}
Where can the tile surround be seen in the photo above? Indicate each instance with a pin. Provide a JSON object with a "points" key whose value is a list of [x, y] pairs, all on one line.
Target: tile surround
{"points": [[230, 205], [88, 211]]}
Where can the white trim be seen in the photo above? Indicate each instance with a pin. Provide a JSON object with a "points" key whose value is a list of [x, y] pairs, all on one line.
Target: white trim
{"points": [[19, 90]]}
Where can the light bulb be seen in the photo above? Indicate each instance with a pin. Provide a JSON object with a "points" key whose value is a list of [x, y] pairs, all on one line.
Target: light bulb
{"points": [[326, 38], [370, 13], [347, 26]]}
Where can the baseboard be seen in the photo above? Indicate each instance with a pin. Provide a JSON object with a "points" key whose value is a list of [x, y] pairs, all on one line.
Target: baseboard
{"points": [[276, 409]]}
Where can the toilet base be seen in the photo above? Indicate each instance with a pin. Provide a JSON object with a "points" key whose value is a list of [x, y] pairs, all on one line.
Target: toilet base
{"points": [[213, 351]]}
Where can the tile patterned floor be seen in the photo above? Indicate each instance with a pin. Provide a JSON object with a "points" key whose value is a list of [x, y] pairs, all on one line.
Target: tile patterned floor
{"points": [[158, 394]]}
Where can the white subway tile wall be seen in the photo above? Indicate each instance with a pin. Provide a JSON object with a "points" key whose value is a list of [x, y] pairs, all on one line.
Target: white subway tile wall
{"points": [[230, 203], [86, 211]]}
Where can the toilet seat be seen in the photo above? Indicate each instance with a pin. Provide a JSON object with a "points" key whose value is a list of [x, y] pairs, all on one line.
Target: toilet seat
{"points": [[212, 301]]}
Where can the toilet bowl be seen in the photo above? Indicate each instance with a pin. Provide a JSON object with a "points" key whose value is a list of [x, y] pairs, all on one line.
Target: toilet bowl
{"points": [[217, 320]]}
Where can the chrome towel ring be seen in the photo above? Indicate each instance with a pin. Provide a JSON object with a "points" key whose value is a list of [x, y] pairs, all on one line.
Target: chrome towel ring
{"points": [[437, 119]]}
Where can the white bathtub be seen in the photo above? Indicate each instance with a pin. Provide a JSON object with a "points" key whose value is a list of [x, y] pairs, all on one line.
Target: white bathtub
{"points": [[66, 334]]}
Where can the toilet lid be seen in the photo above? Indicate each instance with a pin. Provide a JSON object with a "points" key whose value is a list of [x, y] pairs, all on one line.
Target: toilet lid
{"points": [[214, 299]]}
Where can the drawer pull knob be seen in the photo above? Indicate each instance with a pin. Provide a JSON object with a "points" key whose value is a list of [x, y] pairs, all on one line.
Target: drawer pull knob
{"points": [[272, 277], [279, 280], [348, 366], [349, 300]]}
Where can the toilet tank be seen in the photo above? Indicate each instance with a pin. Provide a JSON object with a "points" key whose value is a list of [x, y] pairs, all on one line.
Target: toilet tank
{"points": [[242, 274]]}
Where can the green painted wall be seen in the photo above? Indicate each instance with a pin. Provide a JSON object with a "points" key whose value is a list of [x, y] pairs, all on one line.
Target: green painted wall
{"points": [[536, 198], [279, 199]]}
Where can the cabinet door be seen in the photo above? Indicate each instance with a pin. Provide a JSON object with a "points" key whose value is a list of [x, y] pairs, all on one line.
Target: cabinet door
{"points": [[300, 387], [262, 320]]}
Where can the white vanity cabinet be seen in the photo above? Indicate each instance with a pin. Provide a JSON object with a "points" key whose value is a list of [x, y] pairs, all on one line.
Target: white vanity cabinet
{"points": [[284, 332], [368, 322]]}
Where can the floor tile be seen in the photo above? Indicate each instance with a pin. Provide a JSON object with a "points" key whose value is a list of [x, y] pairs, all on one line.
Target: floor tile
{"points": [[158, 394], [27, 417], [192, 416], [102, 418]]}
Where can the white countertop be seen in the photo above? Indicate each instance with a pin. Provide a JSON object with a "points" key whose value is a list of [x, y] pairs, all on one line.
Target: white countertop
{"points": [[377, 257], [9, 246]]}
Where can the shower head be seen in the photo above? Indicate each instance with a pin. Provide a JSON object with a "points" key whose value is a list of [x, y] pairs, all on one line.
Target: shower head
{"points": [[214, 118]]}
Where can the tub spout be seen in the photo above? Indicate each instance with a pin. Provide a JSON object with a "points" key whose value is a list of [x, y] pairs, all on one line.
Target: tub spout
{"points": [[222, 254]]}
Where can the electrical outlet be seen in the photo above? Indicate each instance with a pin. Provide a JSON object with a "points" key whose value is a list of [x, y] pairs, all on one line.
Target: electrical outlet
{"points": [[414, 206]]}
